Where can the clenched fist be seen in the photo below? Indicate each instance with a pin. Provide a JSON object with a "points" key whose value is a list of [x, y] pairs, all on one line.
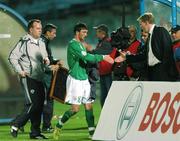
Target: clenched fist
{"points": [[23, 74]]}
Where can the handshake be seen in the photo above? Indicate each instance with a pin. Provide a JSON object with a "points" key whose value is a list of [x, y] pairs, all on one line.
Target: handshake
{"points": [[119, 59]]}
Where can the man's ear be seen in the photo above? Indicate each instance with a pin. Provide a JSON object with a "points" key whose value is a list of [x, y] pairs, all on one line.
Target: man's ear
{"points": [[30, 30], [77, 32], [48, 33]]}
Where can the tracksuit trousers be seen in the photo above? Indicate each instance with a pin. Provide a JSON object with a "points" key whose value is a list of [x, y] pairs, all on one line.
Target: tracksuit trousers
{"points": [[34, 100]]}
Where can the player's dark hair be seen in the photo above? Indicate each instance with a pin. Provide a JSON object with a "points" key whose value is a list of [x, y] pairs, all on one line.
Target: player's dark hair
{"points": [[79, 26]]}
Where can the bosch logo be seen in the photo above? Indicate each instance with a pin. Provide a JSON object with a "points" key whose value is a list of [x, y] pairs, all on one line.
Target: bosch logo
{"points": [[129, 111], [163, 113]]}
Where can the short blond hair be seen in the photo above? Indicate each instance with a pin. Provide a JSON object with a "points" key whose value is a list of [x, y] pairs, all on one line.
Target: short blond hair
{"points": [[146, 17]]}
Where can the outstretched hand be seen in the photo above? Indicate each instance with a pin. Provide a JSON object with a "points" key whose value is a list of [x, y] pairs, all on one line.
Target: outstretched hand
{"points": [[119, 59], [108, 59]]}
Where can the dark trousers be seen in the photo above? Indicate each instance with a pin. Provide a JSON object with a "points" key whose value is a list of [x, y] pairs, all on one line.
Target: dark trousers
{"points": [[48, 113], [34, 99], [158, 73], [105, 84], [93, 90], [48, 104]]}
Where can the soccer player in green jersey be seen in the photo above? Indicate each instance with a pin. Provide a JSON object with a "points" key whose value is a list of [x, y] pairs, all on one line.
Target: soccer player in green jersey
{"points": [[78, 87]]}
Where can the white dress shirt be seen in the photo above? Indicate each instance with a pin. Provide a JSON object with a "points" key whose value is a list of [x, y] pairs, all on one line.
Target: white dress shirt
{"points": [[152, 60]]}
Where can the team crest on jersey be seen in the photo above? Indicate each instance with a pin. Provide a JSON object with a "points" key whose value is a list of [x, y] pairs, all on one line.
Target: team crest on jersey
{"points": [[84, 53], [32, 91]]}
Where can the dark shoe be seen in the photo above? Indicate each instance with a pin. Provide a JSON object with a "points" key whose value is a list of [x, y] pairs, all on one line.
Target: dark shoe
{"points": [[14, 131], [38, 137], [91, 132], [47, 130]]}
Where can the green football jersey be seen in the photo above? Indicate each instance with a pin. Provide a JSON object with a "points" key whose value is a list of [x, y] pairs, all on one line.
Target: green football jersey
{"points": [[77, 58]]}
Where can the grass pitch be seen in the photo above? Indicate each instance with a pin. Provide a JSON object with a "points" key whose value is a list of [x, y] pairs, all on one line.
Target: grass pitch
{"points": [[74, 130]]}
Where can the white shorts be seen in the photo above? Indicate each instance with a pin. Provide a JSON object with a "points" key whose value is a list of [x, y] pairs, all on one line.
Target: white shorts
{"points": [[78, 91]]}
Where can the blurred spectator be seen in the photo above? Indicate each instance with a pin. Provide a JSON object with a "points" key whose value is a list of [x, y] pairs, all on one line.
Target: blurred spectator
{"points": [[144, 37], [175, 33], [133, 70], [143, 64]]}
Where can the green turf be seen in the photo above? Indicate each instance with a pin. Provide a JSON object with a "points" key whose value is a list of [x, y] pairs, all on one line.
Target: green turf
{"points": [[74, 130]]}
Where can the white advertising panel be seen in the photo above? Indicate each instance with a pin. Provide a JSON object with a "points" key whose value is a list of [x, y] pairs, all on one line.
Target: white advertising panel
{"points": [[140, 111]]}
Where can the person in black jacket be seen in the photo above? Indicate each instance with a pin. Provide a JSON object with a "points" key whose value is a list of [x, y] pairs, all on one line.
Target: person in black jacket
{"points": [[49, 33], [158, 52]]}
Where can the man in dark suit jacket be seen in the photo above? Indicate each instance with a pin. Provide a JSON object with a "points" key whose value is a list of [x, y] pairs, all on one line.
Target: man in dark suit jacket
{"points": [[158, 52]]}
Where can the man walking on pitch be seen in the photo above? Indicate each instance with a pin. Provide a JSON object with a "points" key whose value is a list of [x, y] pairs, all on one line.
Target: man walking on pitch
{"points": [[78, 87], [28, 58], [49, 33]]}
